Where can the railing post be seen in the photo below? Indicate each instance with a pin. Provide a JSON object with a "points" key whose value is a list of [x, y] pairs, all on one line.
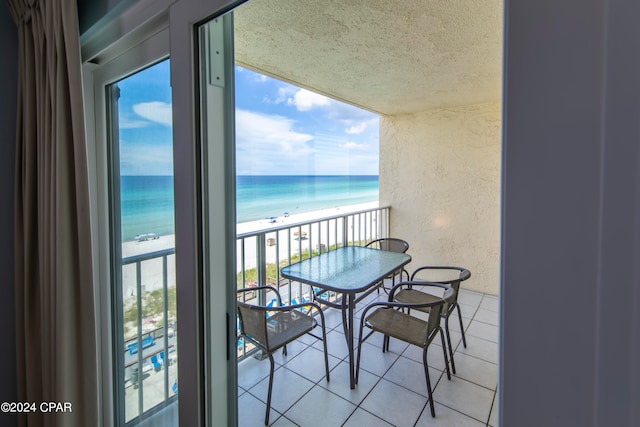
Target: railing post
{"points": [[388, 222], [345, 230], [165, 309], [140, 349], [261, 268]]}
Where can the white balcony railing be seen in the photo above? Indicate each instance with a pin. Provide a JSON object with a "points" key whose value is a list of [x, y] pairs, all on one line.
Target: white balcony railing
{"points": [[260, 256], [148, 367], [262, 253]]}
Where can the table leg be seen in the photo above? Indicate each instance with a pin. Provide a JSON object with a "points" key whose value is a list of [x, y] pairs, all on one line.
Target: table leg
{"points": [[349, 335], [345, 320]]}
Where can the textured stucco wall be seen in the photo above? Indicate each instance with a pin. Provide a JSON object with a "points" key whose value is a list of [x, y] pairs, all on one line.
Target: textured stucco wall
{"points": [[440, 172], [389, 56]]}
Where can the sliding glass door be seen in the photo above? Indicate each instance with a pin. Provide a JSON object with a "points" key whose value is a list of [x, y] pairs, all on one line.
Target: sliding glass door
{"points": [[215, 54], [143, 241], [164, 210], [135, 227]]}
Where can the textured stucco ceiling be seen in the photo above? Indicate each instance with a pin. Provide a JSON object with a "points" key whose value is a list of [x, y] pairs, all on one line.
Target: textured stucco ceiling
{"points": [[389, 56]]}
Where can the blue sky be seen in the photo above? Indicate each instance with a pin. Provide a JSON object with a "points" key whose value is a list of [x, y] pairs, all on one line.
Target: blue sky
{"points": [[281, 129], [144, 114]]}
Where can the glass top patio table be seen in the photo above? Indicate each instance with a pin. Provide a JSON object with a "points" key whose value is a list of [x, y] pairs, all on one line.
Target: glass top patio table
{"points": [[349, 271]]}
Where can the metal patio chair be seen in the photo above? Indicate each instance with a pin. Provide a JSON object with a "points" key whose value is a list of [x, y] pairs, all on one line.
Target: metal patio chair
{"points": [[406, 294], [272, 328], [390, 319], [391, 244]]}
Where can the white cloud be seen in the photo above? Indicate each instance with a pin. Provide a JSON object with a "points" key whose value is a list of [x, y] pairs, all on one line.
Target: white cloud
{"points": [[271, 127], [156, 111], [283, 94], [354, 146], [129, 123], [305, 100], [356, 129], [146, 158], [339, 159], [269, 131], [268, 143]]}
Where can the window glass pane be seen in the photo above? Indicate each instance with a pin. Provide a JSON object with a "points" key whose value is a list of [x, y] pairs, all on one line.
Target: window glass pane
{"points": [[298, 151], [143, 230], [300, 156]]}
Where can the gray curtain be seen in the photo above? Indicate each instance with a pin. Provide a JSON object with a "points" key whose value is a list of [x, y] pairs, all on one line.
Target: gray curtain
{"points": [[56, 343]]}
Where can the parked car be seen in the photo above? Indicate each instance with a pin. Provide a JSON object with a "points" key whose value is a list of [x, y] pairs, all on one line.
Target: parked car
{"points": [[146, 236]]}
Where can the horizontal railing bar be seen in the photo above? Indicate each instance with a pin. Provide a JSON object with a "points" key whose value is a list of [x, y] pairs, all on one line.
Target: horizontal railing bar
{"points": [[306, 222], [148, 256]]}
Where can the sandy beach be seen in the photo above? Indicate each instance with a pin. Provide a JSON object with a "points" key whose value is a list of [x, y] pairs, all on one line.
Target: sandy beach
{"points": [[289, 242], [292, 239], [166, 242], [266, 224]]}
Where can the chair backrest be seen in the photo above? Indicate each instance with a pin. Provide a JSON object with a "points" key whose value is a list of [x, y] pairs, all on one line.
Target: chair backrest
{"points": [[463, 275], [390, 244], [450, 305], [435, 311], [253, 323]]}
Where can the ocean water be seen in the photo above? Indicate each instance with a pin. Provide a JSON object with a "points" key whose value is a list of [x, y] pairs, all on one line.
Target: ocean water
{"points": [[259, 197], [146, 205], [147, 201]]}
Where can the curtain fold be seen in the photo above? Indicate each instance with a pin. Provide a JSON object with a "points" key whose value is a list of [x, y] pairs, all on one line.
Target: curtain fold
{"points": [[56, 340]]}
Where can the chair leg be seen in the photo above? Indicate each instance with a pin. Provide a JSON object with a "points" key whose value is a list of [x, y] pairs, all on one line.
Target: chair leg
{"points": [[426, 374], [324, 343], [444, 352], [446, 328], [360, 341], [464, 339], [266, 417]]}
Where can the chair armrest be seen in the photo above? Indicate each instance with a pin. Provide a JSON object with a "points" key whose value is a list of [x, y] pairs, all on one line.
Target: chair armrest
{"points": [[310, 304], [464, 274], [448, 291], [257, 288], [392, 304]]}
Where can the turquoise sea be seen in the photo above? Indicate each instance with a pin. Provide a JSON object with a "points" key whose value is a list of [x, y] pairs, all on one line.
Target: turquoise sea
{"points": [[146, 205], [147, 201]]}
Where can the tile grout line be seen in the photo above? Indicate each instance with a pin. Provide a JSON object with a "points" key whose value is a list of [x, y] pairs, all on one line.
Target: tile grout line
{"points": [[337, 328]]}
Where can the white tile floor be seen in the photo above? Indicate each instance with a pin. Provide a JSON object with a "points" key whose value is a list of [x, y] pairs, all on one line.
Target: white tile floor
{"points": [[391, 389]]}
